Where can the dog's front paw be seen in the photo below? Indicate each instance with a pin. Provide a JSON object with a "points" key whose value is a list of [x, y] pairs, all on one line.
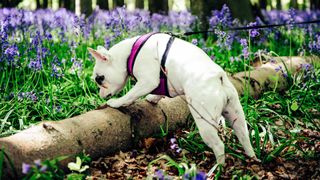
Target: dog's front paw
{"points": [[154, 99], [115, 103]]}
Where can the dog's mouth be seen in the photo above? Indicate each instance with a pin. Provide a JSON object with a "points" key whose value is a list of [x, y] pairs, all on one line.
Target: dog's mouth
{"points": [[103, 86]]}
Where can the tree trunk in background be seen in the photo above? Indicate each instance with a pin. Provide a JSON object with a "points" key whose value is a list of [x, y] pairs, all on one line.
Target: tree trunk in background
{"points": [[156, 6], [10, 3], [202, 9], [61, 3], [38, 4], [279, 5], [294, 4], [314, 4], [304, 5], [70, 5], [45, 4], [49, 3], [103, 4], [118, 3], [139, 4], [85, 7], [263, 4], [241, 9], [269, 3]]}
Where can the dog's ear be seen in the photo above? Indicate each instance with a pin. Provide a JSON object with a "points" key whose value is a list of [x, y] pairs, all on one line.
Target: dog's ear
{"points": [[102, 49], [98, 55]]}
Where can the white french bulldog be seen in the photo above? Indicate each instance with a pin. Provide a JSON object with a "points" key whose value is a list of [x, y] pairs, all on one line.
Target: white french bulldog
{"points": [[190, 72]]}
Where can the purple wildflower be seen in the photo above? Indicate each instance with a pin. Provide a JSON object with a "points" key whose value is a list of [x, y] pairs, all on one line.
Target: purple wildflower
{"points": [[26, 168], [221, 18], [245, 48], [232, 59], [279, 68], [28, 96], [194, 41], [11, 52], [173, 140], [201, 176], [37, 162], [198, 176], [243, 42], [76, 66], [213, 57], [107, 42], [174, 146], [314, 45], [43, 168], [307, 66], [35, 64], [159, 174], [253, 32]]}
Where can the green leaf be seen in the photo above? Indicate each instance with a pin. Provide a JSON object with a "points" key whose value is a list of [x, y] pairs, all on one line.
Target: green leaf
{"points": [[294, 106], [75, 166], [84, 168]]}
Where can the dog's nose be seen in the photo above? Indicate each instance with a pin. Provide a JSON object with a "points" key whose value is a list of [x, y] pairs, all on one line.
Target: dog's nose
{"points": [[99, 79]]}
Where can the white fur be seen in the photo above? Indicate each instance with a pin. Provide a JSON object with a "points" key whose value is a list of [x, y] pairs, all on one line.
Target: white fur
{"points": [[190, 72]]}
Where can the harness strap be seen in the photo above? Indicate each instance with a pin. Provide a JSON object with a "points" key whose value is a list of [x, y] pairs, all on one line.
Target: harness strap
{"points": [[135, 51], [162, 89]]}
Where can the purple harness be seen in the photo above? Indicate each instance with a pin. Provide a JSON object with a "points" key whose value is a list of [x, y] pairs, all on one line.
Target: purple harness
{"points": [[162, 89]]}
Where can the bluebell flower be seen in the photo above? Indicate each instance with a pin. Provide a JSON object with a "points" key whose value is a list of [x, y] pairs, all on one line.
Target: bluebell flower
{"points": [[198, 176], [35, 64], [253, 32], [10, 53], [37, 162], [26, 168], [43, 168], [245, 48], [159, 174], [174, 146], [194, 41]]}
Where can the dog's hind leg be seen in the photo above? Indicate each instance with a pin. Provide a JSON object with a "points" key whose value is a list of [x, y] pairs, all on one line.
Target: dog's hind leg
{"points": [[234, 114], [207, 126]]}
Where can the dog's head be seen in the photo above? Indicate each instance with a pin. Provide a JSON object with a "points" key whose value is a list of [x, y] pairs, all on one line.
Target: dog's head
{"points": [[107, 73]]}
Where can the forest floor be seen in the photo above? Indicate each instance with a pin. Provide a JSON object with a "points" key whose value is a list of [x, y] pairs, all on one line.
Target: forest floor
{"points": [[134, 164]]}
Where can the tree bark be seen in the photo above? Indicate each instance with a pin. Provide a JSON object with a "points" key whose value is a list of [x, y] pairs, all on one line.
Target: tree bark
{"points": [[241, 9], [156, 6], [263, 4], [315, 4], [103, 4], [139, 4], [105, 131], [279, 5], [85, 7], [202, 9], [294, 4], [118, 3], [70, 5], [38, 4], [45, 4]]}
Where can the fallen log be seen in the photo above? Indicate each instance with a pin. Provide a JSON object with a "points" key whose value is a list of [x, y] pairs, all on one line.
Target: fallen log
{"points": [[105, 131]]}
